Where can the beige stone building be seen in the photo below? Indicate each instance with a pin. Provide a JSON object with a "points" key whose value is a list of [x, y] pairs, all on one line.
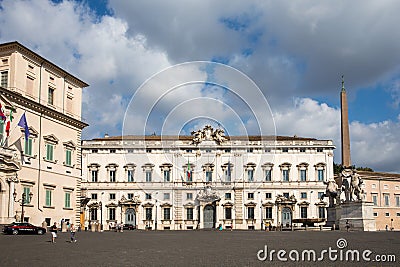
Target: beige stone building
{"points": [[383, 189], [196, 182], [46, 164]]}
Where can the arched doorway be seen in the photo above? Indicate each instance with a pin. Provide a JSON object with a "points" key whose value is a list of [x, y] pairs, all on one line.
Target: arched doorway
{"points": [[209, 216], [286, 217], [130, 216]]}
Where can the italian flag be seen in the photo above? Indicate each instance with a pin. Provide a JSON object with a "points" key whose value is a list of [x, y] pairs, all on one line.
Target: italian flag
{"points": [[188, 171]]}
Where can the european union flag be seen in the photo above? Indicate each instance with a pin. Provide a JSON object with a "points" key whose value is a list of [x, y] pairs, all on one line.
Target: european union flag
{"points": [[22, 123]]}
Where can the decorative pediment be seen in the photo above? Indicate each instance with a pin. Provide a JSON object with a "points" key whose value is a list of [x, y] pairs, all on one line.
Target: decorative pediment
{"points": [[6, 104], [32, 132], [189, 205], [268, 204], [166, 205], [280, 199], [208, 167], [93, 166], [148, 166], [250, 204], [302, 165], [267, 165], [112, 205], [9, 160], [130, 166], [112, 166], [148, 205], [228, 204], [166, 166], [69, 144], [51, 138], [250, 165], [285, 165], [303, 203]]}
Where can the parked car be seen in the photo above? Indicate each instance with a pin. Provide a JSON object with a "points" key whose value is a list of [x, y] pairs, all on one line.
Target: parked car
{"points": [[17, 228], [129, 227]]}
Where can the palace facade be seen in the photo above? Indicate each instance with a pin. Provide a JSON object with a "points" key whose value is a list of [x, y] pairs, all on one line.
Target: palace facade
{"points": [[204, 181], [40, 136]]}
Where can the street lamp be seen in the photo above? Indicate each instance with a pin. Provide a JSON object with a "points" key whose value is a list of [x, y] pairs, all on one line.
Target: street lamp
{"points": [[23, 201], [261, 211], [155, 222], [101, 215]]}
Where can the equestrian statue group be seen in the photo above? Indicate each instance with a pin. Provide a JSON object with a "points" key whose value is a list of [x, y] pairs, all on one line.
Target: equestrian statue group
{"points": [[350, 185]]}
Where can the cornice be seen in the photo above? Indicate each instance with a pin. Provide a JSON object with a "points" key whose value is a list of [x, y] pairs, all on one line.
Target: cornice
{"points": [[49, 112]]}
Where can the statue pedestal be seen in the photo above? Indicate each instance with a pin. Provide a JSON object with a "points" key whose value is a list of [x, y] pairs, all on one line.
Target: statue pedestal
{"points": [[331, 216], [359, 215]]}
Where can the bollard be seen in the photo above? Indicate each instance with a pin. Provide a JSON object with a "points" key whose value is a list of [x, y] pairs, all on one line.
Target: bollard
{"points": [[93, 227], [64, 227]]}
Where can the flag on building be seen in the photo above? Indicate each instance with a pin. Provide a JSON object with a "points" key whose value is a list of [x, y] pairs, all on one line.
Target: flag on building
{"points": [[188, 174], [8, 126], [23, 123], [2, 116]]}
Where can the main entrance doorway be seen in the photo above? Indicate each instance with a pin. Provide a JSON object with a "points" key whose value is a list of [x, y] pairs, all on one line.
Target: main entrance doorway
{"points": [[286, 217], [130, 216], [209, 216]]}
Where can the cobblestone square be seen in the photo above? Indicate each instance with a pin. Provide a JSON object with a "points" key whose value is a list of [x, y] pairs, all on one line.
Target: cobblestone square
{"points": [[190, 248]]}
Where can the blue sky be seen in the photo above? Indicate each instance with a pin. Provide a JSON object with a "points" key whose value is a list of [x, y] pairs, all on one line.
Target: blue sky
{"points": [[294, 51]]}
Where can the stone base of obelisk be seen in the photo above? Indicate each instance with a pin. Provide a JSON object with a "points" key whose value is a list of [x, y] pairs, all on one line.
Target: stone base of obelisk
{"points": [[357, 216]]}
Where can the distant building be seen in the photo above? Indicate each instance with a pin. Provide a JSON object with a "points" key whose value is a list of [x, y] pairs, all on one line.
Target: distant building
{"points": [[46, 165], [205, 180], [383, 189]]}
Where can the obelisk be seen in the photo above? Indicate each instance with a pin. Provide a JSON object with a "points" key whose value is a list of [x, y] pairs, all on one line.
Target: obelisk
{"points": [[346, 161]]}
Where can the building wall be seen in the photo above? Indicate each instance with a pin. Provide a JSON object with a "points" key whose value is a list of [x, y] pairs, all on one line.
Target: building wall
{"points": [[57, 122], [381, 185], [100, 154]]}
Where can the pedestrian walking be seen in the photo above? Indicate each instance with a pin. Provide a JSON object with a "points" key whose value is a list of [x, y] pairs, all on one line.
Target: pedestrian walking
{"points": [[53, 231], [72, 230], [347, 225]]}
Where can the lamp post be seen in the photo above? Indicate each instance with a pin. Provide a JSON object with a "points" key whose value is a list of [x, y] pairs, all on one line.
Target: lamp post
{"points": [[261, 212], [101, 216], [23, 201], [155, 221]]}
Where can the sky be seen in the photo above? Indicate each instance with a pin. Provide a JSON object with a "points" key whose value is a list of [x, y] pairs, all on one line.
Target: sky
{"points": [[134, 55]]}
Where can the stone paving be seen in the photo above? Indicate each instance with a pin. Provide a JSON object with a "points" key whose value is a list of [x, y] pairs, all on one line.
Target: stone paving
{"points": [[193, 248]]}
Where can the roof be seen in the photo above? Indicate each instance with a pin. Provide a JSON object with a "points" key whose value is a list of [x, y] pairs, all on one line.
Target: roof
{"points": [[189, 137], [21, 48], [379, 175]]}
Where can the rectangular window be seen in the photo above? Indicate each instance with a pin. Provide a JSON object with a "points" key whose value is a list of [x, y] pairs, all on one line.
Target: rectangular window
{"points": [[129, 173], [48, 197], [148, 176], [320, 194], [228, 175], [189, 214], [397, 201], [228, 213], [250, 195], [302, 150], [285, 150], [50, 96], [67, 202], [167, 213], [4, 79], [27, 191], [166, 196], [113, 151], [111, 214], [387, 202], [94, 196], [303, 212], [189, 196], [228, 196], [49, 152], [189, 176], [148, 196], [112, 196], [208, 176], [1, 130], [268, 213], [303, 195], [375, 214], [149, 213], [29, 85], [112, 175], [167, 175], [93, 214], [303, 175], [268, 195], [95, 176], [69, 104], [250, 175], [320, 150], [285, 175], [130, 195], [286, 195], [321, 212], [320, 175], [375, 199], [68, 157], [268, 175], [28, 147], [387, 214], [250, 212]]}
